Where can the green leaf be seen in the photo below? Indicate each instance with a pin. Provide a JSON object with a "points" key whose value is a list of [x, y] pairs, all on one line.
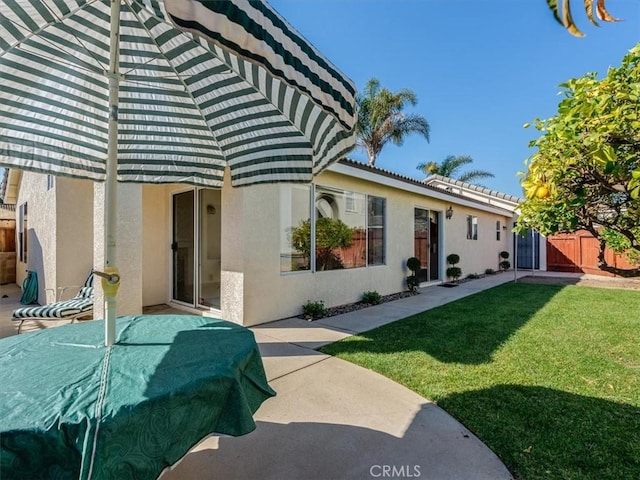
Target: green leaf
{"points": [[605, 154], [609, 167]]}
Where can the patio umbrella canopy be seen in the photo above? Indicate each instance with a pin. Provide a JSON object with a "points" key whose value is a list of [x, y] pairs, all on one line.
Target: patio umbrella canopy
{"points": [[246, 91], [165, 92]]}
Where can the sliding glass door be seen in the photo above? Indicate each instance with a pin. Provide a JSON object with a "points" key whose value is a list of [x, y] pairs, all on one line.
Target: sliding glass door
{"points": [[196, 248]]}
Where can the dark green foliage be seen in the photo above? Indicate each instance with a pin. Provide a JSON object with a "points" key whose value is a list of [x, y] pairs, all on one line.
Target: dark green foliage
{"points": [[504, 254], [453, 258], [372, 298], [505, 265], [413, 264], [314, 310], [454, 273]]}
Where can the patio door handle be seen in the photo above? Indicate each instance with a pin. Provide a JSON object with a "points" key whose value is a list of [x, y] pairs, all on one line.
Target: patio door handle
{"points": [[174, 246]]}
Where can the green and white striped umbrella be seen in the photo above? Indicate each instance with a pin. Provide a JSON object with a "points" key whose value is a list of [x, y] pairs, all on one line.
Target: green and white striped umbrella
{"points": [[247, 91], [169, 91]]}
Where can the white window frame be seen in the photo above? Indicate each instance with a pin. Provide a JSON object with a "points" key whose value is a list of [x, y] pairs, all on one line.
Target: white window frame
{"points": [[472, 227]]}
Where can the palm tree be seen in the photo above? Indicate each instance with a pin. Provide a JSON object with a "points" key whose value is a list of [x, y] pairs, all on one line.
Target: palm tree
{"points": [[450, 167], [590, 7], [380, 118]]}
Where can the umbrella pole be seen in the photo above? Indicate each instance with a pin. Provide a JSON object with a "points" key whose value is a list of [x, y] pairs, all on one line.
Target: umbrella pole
{"points": [[110, 198], [515, 257]]}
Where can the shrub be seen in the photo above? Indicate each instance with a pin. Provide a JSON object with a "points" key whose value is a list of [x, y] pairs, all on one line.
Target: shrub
{"points": [[453, 258], [314, 310], [490, 271], [505, 265], [372, 298], [454, 273], [504, 254], [473, 276]]}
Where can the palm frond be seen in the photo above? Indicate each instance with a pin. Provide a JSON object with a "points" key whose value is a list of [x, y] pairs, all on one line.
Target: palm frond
{"points": [[428, 168], [565, 17], [473, 175]]}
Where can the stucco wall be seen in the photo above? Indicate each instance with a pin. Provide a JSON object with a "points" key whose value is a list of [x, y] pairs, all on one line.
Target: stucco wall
{"points": [[155, 244], [477, 255], [269, 295], [41, 225], [74, 231], [253, 290]]}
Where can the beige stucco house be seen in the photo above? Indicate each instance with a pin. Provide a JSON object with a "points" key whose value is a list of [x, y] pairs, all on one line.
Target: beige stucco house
{"points": [[531, 248], [246, 254]]}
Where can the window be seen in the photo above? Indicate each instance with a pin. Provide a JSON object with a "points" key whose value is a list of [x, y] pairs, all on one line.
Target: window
{"points": [[348, 230], [22, 232], [498, 230], [295, 228], [350, 205], [340, 229], [376, 207], [472, 227], [49, 182]]}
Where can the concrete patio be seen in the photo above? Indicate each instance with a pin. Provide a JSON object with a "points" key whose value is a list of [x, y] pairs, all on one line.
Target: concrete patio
{"points": [[332, 419]]}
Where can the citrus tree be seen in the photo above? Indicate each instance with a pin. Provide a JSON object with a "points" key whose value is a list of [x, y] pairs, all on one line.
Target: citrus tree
{"points": [[586, 171]]}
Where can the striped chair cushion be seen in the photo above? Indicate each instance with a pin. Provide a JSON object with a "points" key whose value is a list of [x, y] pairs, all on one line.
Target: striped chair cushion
{"points": [[60, 310], [85, 292], [82, 302]]}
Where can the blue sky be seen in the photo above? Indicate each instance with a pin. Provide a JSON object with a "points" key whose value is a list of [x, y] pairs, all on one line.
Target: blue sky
{"points": [[481, 69]]}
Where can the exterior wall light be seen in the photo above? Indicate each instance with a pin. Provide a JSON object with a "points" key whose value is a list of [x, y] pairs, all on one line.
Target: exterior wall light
{"points": [[448, 213]]}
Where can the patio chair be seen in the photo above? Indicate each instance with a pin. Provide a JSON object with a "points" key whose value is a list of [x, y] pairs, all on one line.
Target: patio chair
{"points": [[77, 307]]}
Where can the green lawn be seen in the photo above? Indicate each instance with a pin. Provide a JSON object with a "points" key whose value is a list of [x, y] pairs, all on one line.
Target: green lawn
{"points": [[547, 376]]}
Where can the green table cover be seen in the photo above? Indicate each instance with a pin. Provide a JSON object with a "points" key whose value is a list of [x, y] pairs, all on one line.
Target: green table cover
{"points": [[72, 408]]}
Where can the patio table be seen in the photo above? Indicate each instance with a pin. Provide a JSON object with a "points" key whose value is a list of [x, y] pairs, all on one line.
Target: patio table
{"points": [[72, 408]]}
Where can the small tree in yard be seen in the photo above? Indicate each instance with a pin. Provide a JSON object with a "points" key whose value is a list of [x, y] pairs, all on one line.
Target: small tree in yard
{"points": [[586, 171], [330, 234]]}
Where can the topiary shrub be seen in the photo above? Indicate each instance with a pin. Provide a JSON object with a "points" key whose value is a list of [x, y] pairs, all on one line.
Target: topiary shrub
{"points": [[413, 282], [505, 265], [504, 254], [454, 273], [453, 258]]}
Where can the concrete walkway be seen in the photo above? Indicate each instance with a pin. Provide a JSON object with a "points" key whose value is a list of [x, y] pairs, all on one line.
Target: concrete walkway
{"points": [[335, 420], [332, 419]]}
